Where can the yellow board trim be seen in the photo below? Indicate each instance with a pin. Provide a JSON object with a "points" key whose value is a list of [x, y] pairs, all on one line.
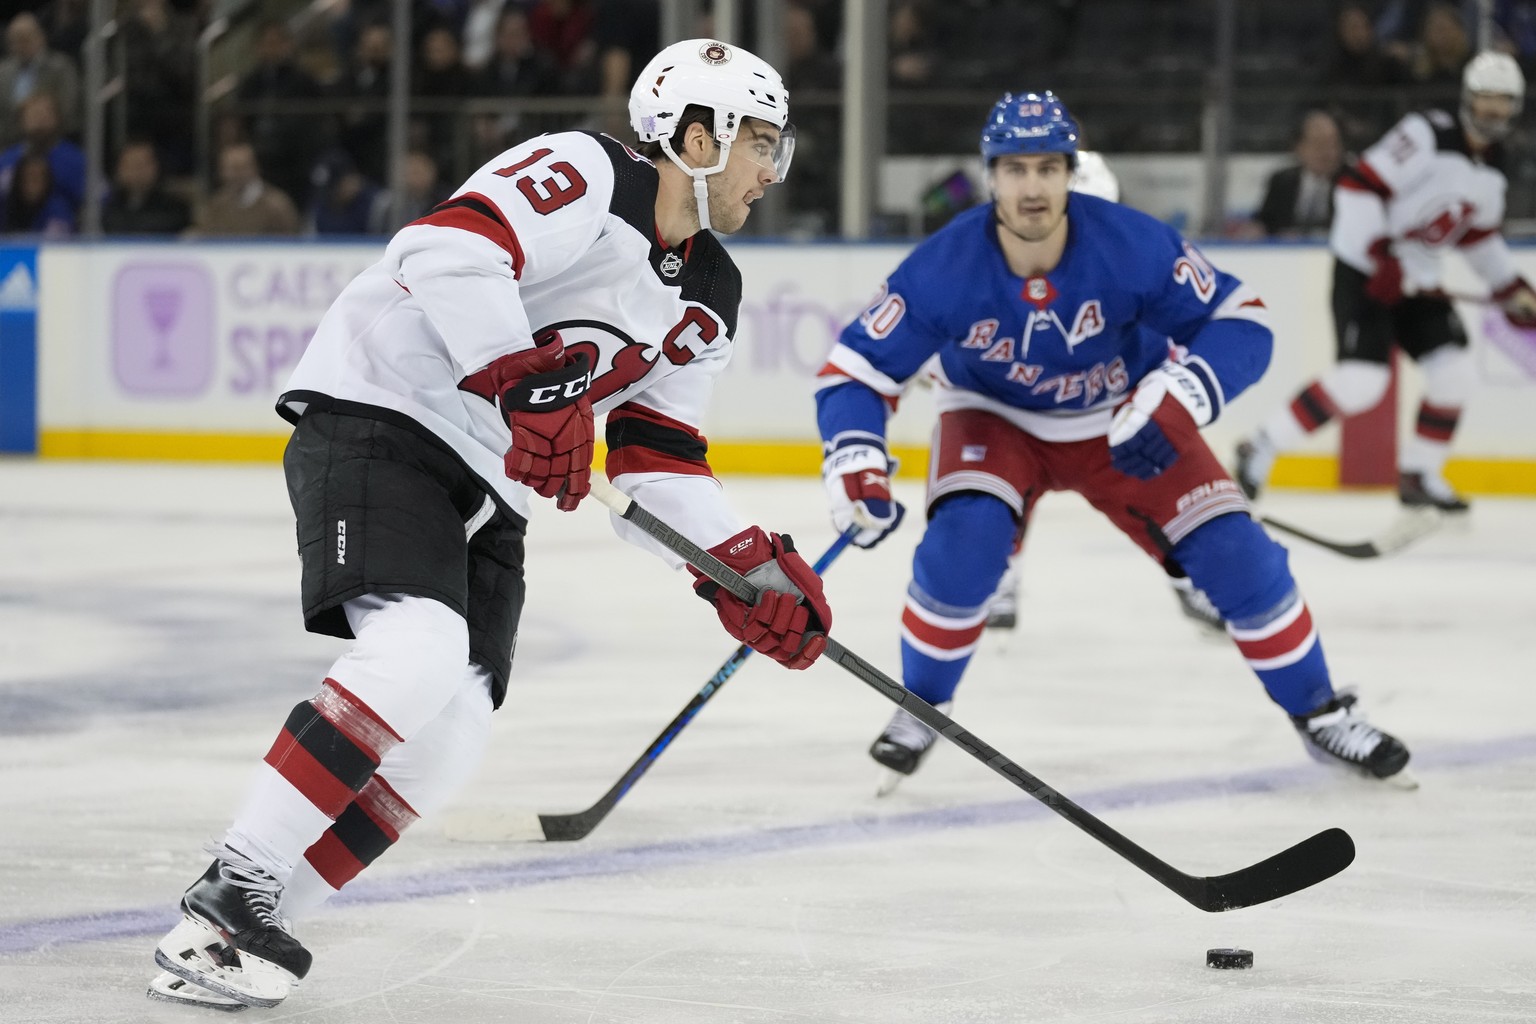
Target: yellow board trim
{"points": [[767, 458]]}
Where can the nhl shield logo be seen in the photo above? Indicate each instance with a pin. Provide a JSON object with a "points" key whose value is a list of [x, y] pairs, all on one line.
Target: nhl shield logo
{"points": [[671, 265], [714, 53]]}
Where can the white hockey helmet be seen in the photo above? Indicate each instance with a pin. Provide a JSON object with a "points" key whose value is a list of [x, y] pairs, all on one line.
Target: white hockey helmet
{"points": [[731, 82], [1491, 73]]}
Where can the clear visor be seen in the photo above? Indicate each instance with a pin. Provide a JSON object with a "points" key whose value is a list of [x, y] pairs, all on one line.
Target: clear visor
{"points": [[776, 156], [1490, 114]]}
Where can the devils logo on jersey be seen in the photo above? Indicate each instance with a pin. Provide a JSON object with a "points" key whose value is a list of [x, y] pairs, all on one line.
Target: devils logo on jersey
{"points": [[619, 361], [1446, 226]]}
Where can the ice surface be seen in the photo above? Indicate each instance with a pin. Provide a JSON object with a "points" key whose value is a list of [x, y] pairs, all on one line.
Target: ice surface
{"points": [[150, 646]]}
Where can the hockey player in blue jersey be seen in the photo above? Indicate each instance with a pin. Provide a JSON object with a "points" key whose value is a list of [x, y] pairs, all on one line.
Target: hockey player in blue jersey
{"points": [[1082, 345]]}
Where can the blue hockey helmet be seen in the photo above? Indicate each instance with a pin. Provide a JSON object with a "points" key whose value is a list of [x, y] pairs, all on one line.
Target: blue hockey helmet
{"points": [[1029, 122]]}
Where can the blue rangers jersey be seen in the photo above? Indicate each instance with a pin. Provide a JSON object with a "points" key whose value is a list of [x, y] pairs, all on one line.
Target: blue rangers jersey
{"points": [[1053, 354]]}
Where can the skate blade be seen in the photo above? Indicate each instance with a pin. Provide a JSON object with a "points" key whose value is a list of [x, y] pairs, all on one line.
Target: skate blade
{"points": [[888, 783], [256, 982], [166, 987], [1404, 780]]}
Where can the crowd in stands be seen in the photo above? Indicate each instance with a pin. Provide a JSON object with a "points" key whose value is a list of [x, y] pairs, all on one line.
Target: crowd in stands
{"points": [[298, 140]]}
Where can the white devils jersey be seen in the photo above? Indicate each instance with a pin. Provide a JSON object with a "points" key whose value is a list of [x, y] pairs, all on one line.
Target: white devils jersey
{"points": [[1421, 186], [555, 235]]}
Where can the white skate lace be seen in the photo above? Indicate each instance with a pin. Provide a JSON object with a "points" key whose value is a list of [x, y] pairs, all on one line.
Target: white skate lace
{"points": [[908, 732], [1347, 736], [261, 890]]}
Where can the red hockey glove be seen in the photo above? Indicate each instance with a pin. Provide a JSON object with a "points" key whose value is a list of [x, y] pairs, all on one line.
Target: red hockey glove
{"points": [[543, 396], [791, 617], [1518, 302], [1385, 285]]}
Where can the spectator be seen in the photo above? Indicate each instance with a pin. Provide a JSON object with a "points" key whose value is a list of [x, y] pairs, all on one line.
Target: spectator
{"points": [[423, 191], [1443, 47], [284, 139], [347, 203], [40, 137], [478, 39], [66, 24], [1516, 20], [440, 76], [138, 204], [517, 67], [1358, 59], [244, 204], [30, 69], [33, 205], [912, 52], [364, 125], [625, 34], [441, 72], [160, 50], [809, 66], [1299, 199], [814, 190], [563, 28]]}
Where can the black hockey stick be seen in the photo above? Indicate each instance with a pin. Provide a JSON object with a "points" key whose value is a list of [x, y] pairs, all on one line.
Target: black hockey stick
{"points": [[560, 828], [1411, 525], [1307, 863]]}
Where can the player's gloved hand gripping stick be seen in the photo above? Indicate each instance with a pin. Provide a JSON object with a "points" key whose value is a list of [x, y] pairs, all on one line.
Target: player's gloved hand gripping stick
{"points": [[1307, 863], [500, 826]]}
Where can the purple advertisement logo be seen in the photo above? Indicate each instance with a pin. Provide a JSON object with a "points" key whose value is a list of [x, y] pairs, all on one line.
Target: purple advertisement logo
{"points": [[1518, 343], [162, 329]]}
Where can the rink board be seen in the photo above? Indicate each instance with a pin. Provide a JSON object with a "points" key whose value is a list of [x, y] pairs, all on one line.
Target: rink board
{"points": [[179, 351]]}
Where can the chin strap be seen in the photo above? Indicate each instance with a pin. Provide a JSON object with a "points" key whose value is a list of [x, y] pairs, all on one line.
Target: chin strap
{"points": [[699, 174], [701, 198]]}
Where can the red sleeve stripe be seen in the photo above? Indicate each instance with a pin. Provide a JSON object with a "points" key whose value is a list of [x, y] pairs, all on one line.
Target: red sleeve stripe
{"points": [[642, 440], [1362, 177], [474, 212], [833, 370], [1475, 235]]}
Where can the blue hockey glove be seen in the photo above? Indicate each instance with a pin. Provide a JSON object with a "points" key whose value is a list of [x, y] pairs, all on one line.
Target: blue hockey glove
{"points": [[858, 481], [1138, 435]]}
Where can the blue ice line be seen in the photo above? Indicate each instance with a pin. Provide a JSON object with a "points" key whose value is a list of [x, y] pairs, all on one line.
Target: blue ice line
{"points": [[43, 933]]}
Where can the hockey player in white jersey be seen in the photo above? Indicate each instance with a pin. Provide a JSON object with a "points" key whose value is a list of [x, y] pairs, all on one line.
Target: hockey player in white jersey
{"points": [[447, 385], [1434, 183]]}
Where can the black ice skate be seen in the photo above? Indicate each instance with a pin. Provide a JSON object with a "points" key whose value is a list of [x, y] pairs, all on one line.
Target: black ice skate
{"points": [[1003, 605], [902, 747], [1415, 491], [1251, 469], [1338, 734], [1194, 603], [231, 941]]}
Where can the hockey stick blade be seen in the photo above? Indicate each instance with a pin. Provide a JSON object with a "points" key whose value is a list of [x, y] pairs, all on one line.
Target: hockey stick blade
{"points": [[1410, 526], [568, 828], [1305, 864]]}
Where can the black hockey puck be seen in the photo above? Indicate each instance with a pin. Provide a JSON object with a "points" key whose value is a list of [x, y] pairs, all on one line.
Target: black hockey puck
{"points": [[1229, 959]]}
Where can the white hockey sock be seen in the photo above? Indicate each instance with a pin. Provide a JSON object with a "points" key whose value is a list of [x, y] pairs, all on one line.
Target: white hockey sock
{"points": [[1448, 382], [415, 779]]}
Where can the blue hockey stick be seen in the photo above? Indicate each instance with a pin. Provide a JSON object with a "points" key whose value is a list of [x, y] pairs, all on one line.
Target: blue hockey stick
{"points": [[559, 828]]}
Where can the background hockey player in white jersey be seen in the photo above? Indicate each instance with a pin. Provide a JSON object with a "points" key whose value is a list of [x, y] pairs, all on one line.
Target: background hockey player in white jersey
{"points": [[1431, 184], [1056, 374], [448, 384]]}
